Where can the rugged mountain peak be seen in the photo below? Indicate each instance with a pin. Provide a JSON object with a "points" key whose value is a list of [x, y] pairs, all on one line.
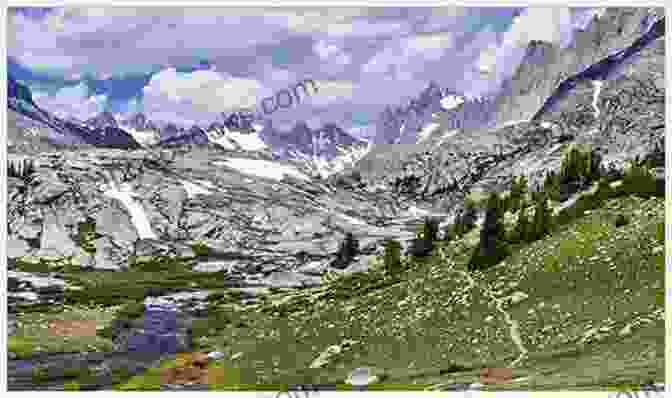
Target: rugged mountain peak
{"points": [[139, 121], [18, 92], [102, 120]]}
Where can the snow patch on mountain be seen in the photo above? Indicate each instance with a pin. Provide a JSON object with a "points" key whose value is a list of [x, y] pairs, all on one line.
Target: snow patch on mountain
{"points": [[264, 168], [145, 138], [126, 196], [446, 136], [427, 131], [510, 123], [597, 84], [248, 142], [194, 189], [346, 158], [451, 101]]}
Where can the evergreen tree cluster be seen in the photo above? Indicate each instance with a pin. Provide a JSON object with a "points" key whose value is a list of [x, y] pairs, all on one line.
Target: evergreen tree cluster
{"points": [[518, 193], [423, 244], [578, 169], [465, 221], [639, 180], [22, 168]]}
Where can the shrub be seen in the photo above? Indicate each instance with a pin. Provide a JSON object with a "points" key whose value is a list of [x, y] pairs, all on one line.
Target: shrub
{"points": [[621, 221], [129, 311], [640, 181], [542, 219], [521, 232], [518, 192], [660, 232], [423, 245], [71, 386], [86, 235], [392, 257], [464, 221], [347, 251], [200, 249], [552, 186], [160, 264]]}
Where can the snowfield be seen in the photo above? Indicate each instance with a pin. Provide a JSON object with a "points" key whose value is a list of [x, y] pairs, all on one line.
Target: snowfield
{"points": [[194, 189], [234, 140], [427, 131], [264, 168], [145, 138]]}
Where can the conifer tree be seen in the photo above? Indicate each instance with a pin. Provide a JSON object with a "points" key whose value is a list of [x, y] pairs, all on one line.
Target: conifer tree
{"points": [[492, 247], [392, 257]]}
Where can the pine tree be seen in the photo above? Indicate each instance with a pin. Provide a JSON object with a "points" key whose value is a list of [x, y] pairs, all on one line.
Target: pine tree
{"points": [[392, 257], [423, 244], [516, 193], [347, 251], [521, 231], [351, 246], [492, 248], [541, 222]]}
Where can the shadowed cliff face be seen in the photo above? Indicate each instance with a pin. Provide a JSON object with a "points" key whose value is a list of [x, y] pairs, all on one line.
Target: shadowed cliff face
{"points": [[546, 65]]}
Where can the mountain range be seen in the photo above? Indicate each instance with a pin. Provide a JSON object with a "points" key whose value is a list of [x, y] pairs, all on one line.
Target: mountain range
{"points": [[265, 242]]}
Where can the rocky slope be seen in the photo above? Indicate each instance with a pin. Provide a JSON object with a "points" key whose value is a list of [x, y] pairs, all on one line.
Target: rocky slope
{"points": [[621, 119]]}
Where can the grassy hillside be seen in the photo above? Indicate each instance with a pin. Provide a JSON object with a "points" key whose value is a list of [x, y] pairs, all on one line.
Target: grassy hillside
{"points": [[583, 299]]}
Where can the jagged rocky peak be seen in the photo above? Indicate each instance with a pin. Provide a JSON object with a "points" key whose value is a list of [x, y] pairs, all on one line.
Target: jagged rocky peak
{"points": [[537, 51], [102, 120], [140, 121], [18, 91], [238, 121], [169, 130]]}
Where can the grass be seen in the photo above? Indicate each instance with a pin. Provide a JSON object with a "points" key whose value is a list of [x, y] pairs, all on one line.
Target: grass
{"points": [[33, 335], [429, 315]]}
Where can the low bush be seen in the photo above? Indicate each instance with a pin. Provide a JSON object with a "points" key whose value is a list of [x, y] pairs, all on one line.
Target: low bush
{"points": [[621, 221]]}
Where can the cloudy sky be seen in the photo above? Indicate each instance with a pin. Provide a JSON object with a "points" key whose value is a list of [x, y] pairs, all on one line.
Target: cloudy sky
{"points": [[187, 66]]}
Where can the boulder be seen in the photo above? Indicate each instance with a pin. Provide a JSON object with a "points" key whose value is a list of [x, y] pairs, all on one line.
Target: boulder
{"points": [[111, 256], [115, 222], [17, 248], [48, 191], [56, 236]]}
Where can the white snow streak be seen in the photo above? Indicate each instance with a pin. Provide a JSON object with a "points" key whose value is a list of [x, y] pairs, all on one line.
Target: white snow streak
{"points": [[264, 168], [596, 94], [249, 142], [234, 139], [446, 136], [451, 101], [426, 131], [139, 218], [193, 189]]}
